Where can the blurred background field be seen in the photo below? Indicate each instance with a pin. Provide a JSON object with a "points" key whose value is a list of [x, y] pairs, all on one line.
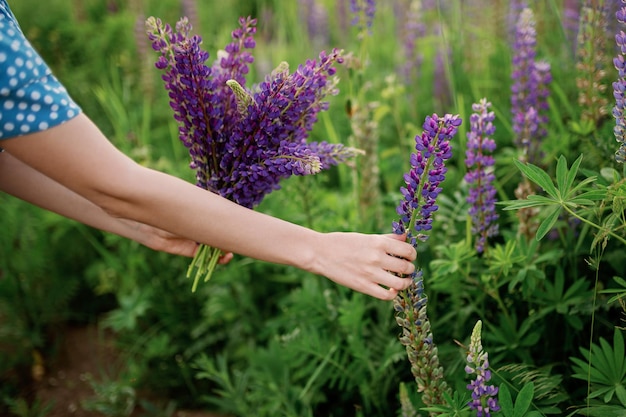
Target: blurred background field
{"points": [[268, 340]]}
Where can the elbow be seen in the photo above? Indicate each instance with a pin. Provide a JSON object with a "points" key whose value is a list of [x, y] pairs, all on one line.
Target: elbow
{"points": [[120, 196]]}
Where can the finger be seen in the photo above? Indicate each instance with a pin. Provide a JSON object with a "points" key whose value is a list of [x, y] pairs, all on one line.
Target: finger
{"points": [[395, 282], [398, 266], [226, 258], [382, 293], [396, 245]]}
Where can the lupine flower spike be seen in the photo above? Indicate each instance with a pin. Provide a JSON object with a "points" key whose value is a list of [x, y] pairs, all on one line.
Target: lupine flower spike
{"points": [[480, 176], [619, 87], [243, 143], [591, 61], [363, 12], [422, 186], [529, 89], [484, 397]]}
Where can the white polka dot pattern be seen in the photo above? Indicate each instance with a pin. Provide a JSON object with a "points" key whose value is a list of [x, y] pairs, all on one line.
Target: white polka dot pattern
{"points": [[31, 98]]}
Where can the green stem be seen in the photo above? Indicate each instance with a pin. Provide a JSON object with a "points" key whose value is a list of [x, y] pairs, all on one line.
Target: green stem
{"points": [[204, 262], [590, 223]]}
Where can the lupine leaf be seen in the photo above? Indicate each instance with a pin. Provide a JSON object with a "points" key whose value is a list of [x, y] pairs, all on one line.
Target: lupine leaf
{"points": [[620, 392], [597, 194], [540, 177], [547, 223], [524, 399], [618, 354], [571, 175], [562, 175], [582, 184], [505, 401], [532, 200]]}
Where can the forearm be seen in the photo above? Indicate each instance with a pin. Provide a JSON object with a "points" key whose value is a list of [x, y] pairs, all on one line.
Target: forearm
{"points": [[205, 217], [78, 156], [28, 184]]}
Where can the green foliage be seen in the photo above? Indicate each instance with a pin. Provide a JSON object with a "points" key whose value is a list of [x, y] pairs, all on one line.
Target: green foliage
{"points": [[112, 398], [21, 408], [562, 196], [604, 368], [268, 340], [521, 406]]}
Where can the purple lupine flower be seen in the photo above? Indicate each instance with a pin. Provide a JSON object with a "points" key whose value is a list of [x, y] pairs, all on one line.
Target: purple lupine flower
{"points": [[515, 9], [242, 143], [542, 72], [412, 29], [484, 397], [441, 84], [422, 186], [619, 87], [363, 12], [423, 180], [529, 89], [315, 16], [570, 20], [480, 176], [189, 8]]}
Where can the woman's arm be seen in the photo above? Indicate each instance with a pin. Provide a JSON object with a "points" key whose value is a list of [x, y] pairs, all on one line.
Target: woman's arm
{"points": [[78, 156], [25, 183]]}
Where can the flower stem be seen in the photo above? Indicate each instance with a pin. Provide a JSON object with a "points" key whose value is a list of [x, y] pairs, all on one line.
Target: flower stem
{"points": [[204, 263], [590, 223]]}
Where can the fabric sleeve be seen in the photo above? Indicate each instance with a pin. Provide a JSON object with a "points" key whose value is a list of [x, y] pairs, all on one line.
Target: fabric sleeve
{"points": [[31, 98]]}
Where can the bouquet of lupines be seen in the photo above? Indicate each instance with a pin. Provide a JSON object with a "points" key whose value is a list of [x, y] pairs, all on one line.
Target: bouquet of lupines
{"points": [[422, 186], [243, 142]]}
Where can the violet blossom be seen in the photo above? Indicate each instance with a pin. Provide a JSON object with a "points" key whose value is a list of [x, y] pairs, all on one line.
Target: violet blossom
{"points": [[619, 87], [484, 397], [314, 15], [363, 12], [529, 90], [480, 176], [243, 142], [412, 28], [422, 182], [422, 186]]}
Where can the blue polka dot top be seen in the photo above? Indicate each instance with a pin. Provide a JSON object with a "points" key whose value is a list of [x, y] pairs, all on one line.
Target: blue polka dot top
{"points": [[31, 98]]}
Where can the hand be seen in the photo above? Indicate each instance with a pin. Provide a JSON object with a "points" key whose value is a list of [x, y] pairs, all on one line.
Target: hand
{"points": [[163, 241], [366, 263]]}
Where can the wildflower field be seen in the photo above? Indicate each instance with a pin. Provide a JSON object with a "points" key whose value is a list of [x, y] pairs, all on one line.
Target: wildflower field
{"points": [[491, 132]]}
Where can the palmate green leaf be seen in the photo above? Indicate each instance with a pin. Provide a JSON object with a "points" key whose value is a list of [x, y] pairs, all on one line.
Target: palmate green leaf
{"points": [[570, 176], [532, 200], [562, 177], [582, 185], [548, 223], [524, 399], [505, 401], [605, 366], [539, 177], [595, 195], [620, 393], [585, 373], [621, 292]]}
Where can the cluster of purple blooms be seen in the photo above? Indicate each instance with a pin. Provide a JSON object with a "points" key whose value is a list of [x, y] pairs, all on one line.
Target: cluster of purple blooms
{"points": [[363, 12], [480, 176], [484, 397], [619, 87], [242, 143], [315, 15], [422, 186], [426, 174], [411, 30], [529, 96]]}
